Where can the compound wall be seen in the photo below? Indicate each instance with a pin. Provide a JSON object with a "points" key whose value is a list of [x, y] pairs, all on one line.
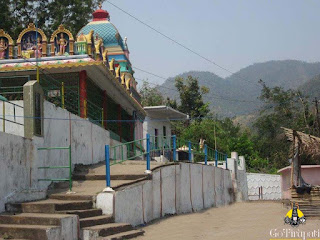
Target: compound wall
{"points": [[14, 114], [271, 186], [174, 189], [20, 157]]}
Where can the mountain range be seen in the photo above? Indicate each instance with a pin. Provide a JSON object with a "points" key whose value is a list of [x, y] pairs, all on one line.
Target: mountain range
{"points": [[238, 94]]}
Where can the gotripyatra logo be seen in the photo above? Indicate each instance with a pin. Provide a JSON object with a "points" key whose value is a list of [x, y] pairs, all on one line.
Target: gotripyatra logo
{"points": [[295, 217]]}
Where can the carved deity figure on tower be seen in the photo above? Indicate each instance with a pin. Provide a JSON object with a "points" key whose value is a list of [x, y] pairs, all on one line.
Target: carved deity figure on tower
{"points": [[3, 48], [38, 49], [62, 43], [98, 43]]}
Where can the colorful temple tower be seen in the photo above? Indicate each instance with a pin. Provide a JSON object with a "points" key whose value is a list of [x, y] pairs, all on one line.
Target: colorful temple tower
{"points": [[90, 74], [107, 40]]}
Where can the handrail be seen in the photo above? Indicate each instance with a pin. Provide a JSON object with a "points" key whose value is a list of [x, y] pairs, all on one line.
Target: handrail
{"points": [[157, 143], [59, 167]]}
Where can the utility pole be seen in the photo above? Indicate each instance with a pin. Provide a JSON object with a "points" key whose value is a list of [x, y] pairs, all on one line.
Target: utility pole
{"points": [[214, 132]]}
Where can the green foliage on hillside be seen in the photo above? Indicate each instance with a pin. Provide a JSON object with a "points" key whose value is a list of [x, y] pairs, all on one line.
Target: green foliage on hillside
{"points": [[311, 88], [243, 85], [265, 146]]}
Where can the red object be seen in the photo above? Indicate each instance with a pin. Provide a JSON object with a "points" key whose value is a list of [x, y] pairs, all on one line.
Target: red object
{"points": [[83, 92], [100, 15], [119, 122], [105, 108]]}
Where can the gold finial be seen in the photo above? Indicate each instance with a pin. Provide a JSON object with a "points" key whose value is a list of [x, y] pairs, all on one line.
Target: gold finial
{"points": [[100, 5]]}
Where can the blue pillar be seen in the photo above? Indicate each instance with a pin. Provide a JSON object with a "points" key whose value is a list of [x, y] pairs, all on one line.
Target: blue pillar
{"points": [[174, 145], [216, 157], [107, 156], [148, 152], [205, 155], [190, 156], [226, 156]]}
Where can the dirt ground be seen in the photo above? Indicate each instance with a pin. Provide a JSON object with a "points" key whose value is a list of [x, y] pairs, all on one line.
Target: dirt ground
{"points": [[240, 221]]}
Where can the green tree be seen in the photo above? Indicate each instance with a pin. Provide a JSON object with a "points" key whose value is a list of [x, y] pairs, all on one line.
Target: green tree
{"points": [[283, 108], [150, 96], [191, 97], [47, 14]]}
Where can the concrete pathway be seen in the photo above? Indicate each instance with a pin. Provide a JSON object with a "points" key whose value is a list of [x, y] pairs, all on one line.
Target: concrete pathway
{"points": [[240, 221], [90, 180]]}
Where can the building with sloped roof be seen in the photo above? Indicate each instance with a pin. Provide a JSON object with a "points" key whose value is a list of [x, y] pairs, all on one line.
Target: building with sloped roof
{"points": [[89, 74]]}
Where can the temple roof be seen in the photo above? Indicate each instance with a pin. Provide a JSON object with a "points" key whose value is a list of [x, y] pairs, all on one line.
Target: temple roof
{"points": [[106, 30], [100, 14], [101, 25]]}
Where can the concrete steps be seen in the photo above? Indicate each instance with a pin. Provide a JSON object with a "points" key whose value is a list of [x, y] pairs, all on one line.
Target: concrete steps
{"points": [[34, 232], [92, 176], [33, 219], [96, 220], [54, 219], [13, 239], [76, 197], [105, 230], [124, 235], [52, 205], [19, 225], [73, 216], [310, 208], [83, 213]]}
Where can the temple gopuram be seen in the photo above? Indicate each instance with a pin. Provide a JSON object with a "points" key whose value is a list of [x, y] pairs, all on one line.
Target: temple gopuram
{"points": [[89, 74]]}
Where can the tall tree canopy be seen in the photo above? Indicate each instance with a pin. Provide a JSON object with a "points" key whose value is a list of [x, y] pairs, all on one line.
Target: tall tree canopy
{"points": [[283, 108], [47, 14], [150, 96], [191, 97]]}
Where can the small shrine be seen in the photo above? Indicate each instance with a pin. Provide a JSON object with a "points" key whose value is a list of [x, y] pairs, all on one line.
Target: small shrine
{"points": [[91, 71]]}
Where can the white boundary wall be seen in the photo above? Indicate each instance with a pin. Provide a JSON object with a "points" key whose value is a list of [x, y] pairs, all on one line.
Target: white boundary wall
{"points": [[242, 184], [174, 189], [271, 186], [15, 114], [20, 159]]}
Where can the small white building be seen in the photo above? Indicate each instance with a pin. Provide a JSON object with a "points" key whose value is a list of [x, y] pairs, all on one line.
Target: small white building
{"points": [[157, 122]]}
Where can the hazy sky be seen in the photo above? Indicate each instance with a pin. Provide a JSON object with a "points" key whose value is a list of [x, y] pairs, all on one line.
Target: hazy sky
{"points": [[233, 33]]}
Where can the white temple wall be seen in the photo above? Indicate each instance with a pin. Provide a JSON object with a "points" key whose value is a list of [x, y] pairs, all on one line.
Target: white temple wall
{"points": [[20, 157], [173, 189]]}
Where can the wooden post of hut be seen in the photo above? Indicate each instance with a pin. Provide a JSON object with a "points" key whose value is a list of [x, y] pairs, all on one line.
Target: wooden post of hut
{"points": [[296, 161], [292, 160]]}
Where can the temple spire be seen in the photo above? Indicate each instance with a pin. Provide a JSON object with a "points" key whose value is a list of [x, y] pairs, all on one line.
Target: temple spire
{"points": [[100, 14]]}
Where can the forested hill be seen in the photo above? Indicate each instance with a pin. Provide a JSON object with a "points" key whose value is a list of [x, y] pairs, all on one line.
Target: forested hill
{"points": [[238, 94], [311, 88]]}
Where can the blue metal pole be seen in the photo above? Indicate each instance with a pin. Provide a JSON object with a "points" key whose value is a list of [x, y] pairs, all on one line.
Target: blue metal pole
{"points": [[205, 155], [107, 156], [226, 156], [216, 157], [148, 152], [190, 156], [174, 143]]}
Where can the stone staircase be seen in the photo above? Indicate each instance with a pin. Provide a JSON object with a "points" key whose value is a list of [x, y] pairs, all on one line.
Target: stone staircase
{"points": [[309, 204], [53, 219], [73, 216]]}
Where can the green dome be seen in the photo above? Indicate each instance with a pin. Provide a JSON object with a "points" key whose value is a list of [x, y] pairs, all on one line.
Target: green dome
{"points": [[106, 30]]}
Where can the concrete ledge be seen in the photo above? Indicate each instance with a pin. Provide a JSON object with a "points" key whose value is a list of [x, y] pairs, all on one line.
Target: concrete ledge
{"points": [[173, 189]]}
